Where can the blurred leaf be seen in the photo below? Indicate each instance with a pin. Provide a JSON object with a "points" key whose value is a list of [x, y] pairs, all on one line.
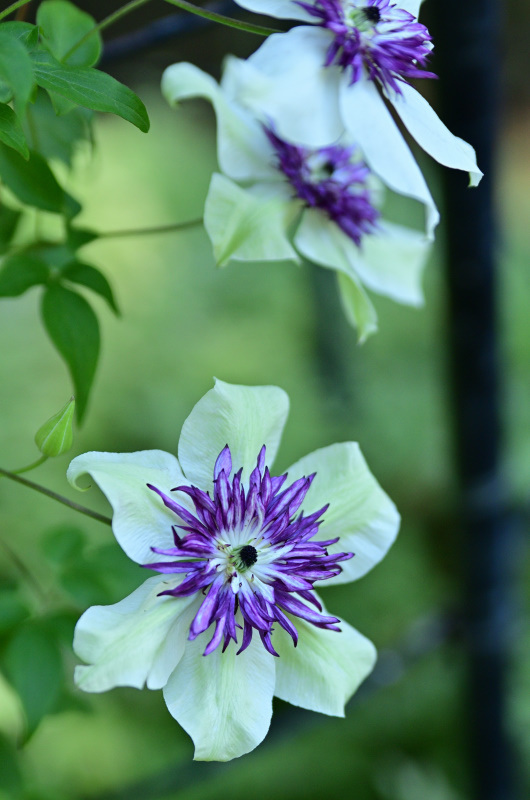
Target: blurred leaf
{"points": [[61, 624], [12, 610], [11, 132], [58, 136], [63, 544], [62, 25], [78, 237], [56, 256], [10, 780], [24, 32], [33, 665], [85, 585], [118, 573], [16, 69], [91, 88], [34, 183], [20, 272], [92, 278], [73, 328], [9, 218]]}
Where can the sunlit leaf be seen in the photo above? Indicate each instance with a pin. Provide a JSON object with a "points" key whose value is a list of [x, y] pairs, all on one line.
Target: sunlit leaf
{"points": [[74, 330], [62, 25]]}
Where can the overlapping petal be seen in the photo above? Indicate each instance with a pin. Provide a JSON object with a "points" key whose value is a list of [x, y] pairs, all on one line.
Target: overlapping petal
{"points": [[245, 417], [138, 519], [224, 700]]}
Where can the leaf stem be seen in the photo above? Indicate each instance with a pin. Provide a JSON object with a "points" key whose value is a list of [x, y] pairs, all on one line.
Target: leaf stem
{"points": [[13, 7], [175, 226], [35, 464], [114, 17], [260, 30], [54, 496]]}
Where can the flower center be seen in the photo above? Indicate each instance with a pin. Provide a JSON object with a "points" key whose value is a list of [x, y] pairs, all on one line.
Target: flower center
{"points": [[216, 551], [331, 179], [378, 40]]}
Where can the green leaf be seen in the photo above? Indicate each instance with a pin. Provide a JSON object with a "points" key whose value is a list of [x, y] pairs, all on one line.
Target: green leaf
{"points": [[63, 544], [85, 585], [20, 272], [92, 278], [33, 666], [10, 780], [74, 330], [34, 183], [91, 88], [62, 25], [11, 132], [16, 69], [58, 137], [78, 237], [24, 32], [12, 610], [9, 218]]}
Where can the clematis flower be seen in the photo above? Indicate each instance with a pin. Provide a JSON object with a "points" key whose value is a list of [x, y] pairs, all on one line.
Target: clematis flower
{"points": [[277, 200], [346, 70], [233, 617]]}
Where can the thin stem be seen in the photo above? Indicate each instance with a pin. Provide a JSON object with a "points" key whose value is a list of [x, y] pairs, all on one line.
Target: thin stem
{"points": [[54, 496], [13, 7], [260, 30], [35, 464], [175, 226], [25, 572], [114, 17]]}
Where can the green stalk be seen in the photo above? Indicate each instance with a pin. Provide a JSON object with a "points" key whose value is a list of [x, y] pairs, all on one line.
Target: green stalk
{"points": [[13, 7], [175, 226], [114, 17], [54, 496], [260, 30]]}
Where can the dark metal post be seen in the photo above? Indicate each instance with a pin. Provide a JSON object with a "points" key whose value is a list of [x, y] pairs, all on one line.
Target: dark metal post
{"points": [[466, 33]]}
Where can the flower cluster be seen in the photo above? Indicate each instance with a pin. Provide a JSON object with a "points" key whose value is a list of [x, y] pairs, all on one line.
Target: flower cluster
{"points": [[241, 553]]}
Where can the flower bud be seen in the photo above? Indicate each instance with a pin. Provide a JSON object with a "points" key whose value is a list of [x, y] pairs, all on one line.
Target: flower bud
{"points": [[55, 437]]}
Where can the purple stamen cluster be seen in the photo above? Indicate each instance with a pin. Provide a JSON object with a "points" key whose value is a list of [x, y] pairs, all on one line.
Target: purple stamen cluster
{"points": [[250, 554], [374, 35], [329, 178]]}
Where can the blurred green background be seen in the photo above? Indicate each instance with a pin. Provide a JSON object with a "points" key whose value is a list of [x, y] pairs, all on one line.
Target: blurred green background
{"points": [[183, 322]]}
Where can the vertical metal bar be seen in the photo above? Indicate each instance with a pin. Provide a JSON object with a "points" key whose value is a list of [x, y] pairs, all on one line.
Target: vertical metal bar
{"points": [[467, 43]]}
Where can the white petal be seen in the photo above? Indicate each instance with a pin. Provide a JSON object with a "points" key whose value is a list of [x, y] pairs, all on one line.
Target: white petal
{"points": [[322, 241], [282, 9], [120, 642], [360, 512], [172, 647], [223, 700], [242, 147], [246, 226], [140, 520], [432, 135], [391, 262], [325, 668], [286, 81], [244, 417], [412, 6], [370, 124]]}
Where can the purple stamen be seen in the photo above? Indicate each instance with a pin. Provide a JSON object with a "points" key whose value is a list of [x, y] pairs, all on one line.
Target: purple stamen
{"points": [[331, 179], [248, 554], [373, 37]]}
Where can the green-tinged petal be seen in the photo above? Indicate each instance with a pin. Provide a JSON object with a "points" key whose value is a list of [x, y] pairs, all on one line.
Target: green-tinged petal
{"points": [[244, 417], [172, 646], [140, 519], [285, 80], [246, 226], [391, 262], [370, 124], [326, 667], [120, 642], [283, 9], [412, 6], [357, 306], [432, 135], [242, 147], [223, 700], [359, 511], [320, 240]]}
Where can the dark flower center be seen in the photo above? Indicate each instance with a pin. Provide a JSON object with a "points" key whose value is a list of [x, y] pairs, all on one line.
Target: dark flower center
{"points": [[248, 555], [372, 14]]}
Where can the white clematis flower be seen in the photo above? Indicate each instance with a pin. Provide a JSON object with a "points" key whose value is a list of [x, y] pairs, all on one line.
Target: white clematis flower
{"points": [[277, 200], [233, 618], [346, 70]]}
